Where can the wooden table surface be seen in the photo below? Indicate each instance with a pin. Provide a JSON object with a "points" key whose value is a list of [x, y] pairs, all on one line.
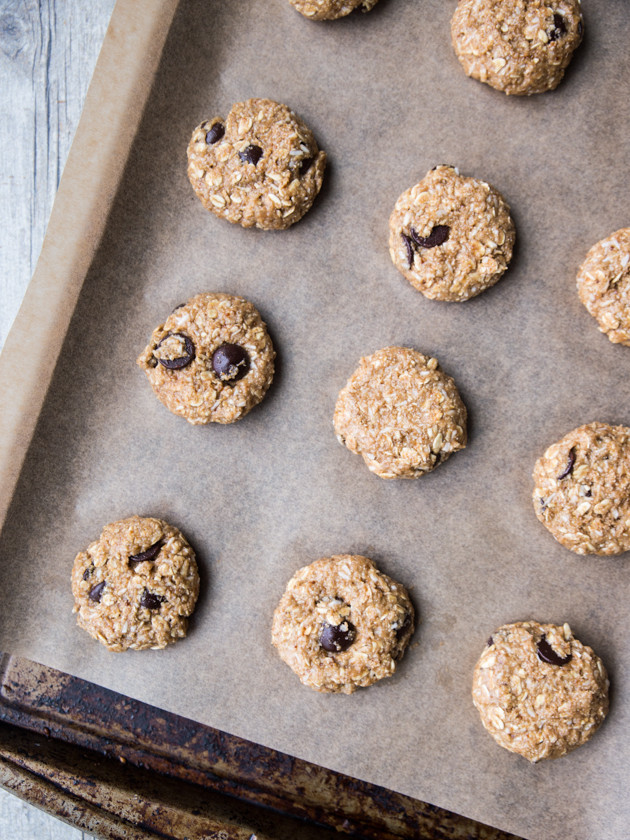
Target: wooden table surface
{"points": [[48, 49]]}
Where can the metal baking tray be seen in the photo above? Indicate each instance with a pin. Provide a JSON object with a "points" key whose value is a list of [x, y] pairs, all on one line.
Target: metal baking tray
{"points": [[111, 764], [118, 768]]}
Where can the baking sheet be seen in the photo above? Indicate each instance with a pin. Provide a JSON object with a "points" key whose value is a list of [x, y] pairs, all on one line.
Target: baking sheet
{"points": [[387, 99], [111, 114]]}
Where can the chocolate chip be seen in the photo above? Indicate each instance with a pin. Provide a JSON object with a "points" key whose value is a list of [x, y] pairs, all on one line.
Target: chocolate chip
{"points": [[150, 601], [251, 154], [305, 165], [180, 361], [96, 592], [335, 639], [543, 504], [408, 248], [230, 362], [490, 641], [569, 467], [179, 306], [215, 134], [438, 236], [87, 573], [588, 494], [149, 554], [559, 28], [402, 628], [547, 654]]}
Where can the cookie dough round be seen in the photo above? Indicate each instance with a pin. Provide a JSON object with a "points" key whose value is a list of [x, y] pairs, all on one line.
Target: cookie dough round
{"points": [[451, 236], [136, 586], [331, 9], [342, 624], [582, 489], [260, 166], [603, 283], [517, 46], [540, 692], [401, 413], [212, 360]]}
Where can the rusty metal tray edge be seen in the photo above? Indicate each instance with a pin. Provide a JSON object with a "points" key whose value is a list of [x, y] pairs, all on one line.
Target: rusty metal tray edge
{"points": [[85, 753]]}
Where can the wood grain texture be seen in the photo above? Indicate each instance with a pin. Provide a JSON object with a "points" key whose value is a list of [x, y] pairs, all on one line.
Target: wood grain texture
{"points": [[48, 49], [20, 821]]}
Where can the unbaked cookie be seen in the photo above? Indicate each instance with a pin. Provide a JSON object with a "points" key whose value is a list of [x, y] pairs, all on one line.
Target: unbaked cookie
{"points": [[331, 9], [582, 489], [517, 46], [603, 283], [342, 624], [540, 692], [212, 360], [260, 166], [401, 413], [451, 236], [136, 586]]}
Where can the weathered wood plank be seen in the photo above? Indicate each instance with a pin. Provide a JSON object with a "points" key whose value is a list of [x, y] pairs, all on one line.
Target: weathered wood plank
{"points": [[20, 821], [48, 49]]}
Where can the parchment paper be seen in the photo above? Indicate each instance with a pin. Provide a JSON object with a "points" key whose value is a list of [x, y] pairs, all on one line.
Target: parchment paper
{"points": [[386, 97]]}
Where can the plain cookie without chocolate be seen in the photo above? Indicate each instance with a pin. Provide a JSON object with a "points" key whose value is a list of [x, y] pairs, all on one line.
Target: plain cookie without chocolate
{"points": [[517, 46], [603, 283], [342, 624], [136, 586], [401, 413], [260, 166], [451, 236], [331, 9], [212, 360], [540, 692]]}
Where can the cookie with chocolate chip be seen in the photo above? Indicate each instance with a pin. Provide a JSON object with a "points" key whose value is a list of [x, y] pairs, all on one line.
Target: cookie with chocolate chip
{"points": [[259, 166], [401, 413], [342, 624], [212, 360], [136, 586], [517, 46], [540, 692], [582, 489], [331, 9], [451, 236], [603, 284]]}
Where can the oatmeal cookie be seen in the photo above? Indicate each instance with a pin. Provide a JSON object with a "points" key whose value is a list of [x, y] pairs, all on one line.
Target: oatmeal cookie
{"points": [[451, 236], [582, 489], [136, 586], [261, 166], [212, 360], [401, 413], [331, 9], [540, 692], [603, 283], [517, 46], [342, 624]]}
